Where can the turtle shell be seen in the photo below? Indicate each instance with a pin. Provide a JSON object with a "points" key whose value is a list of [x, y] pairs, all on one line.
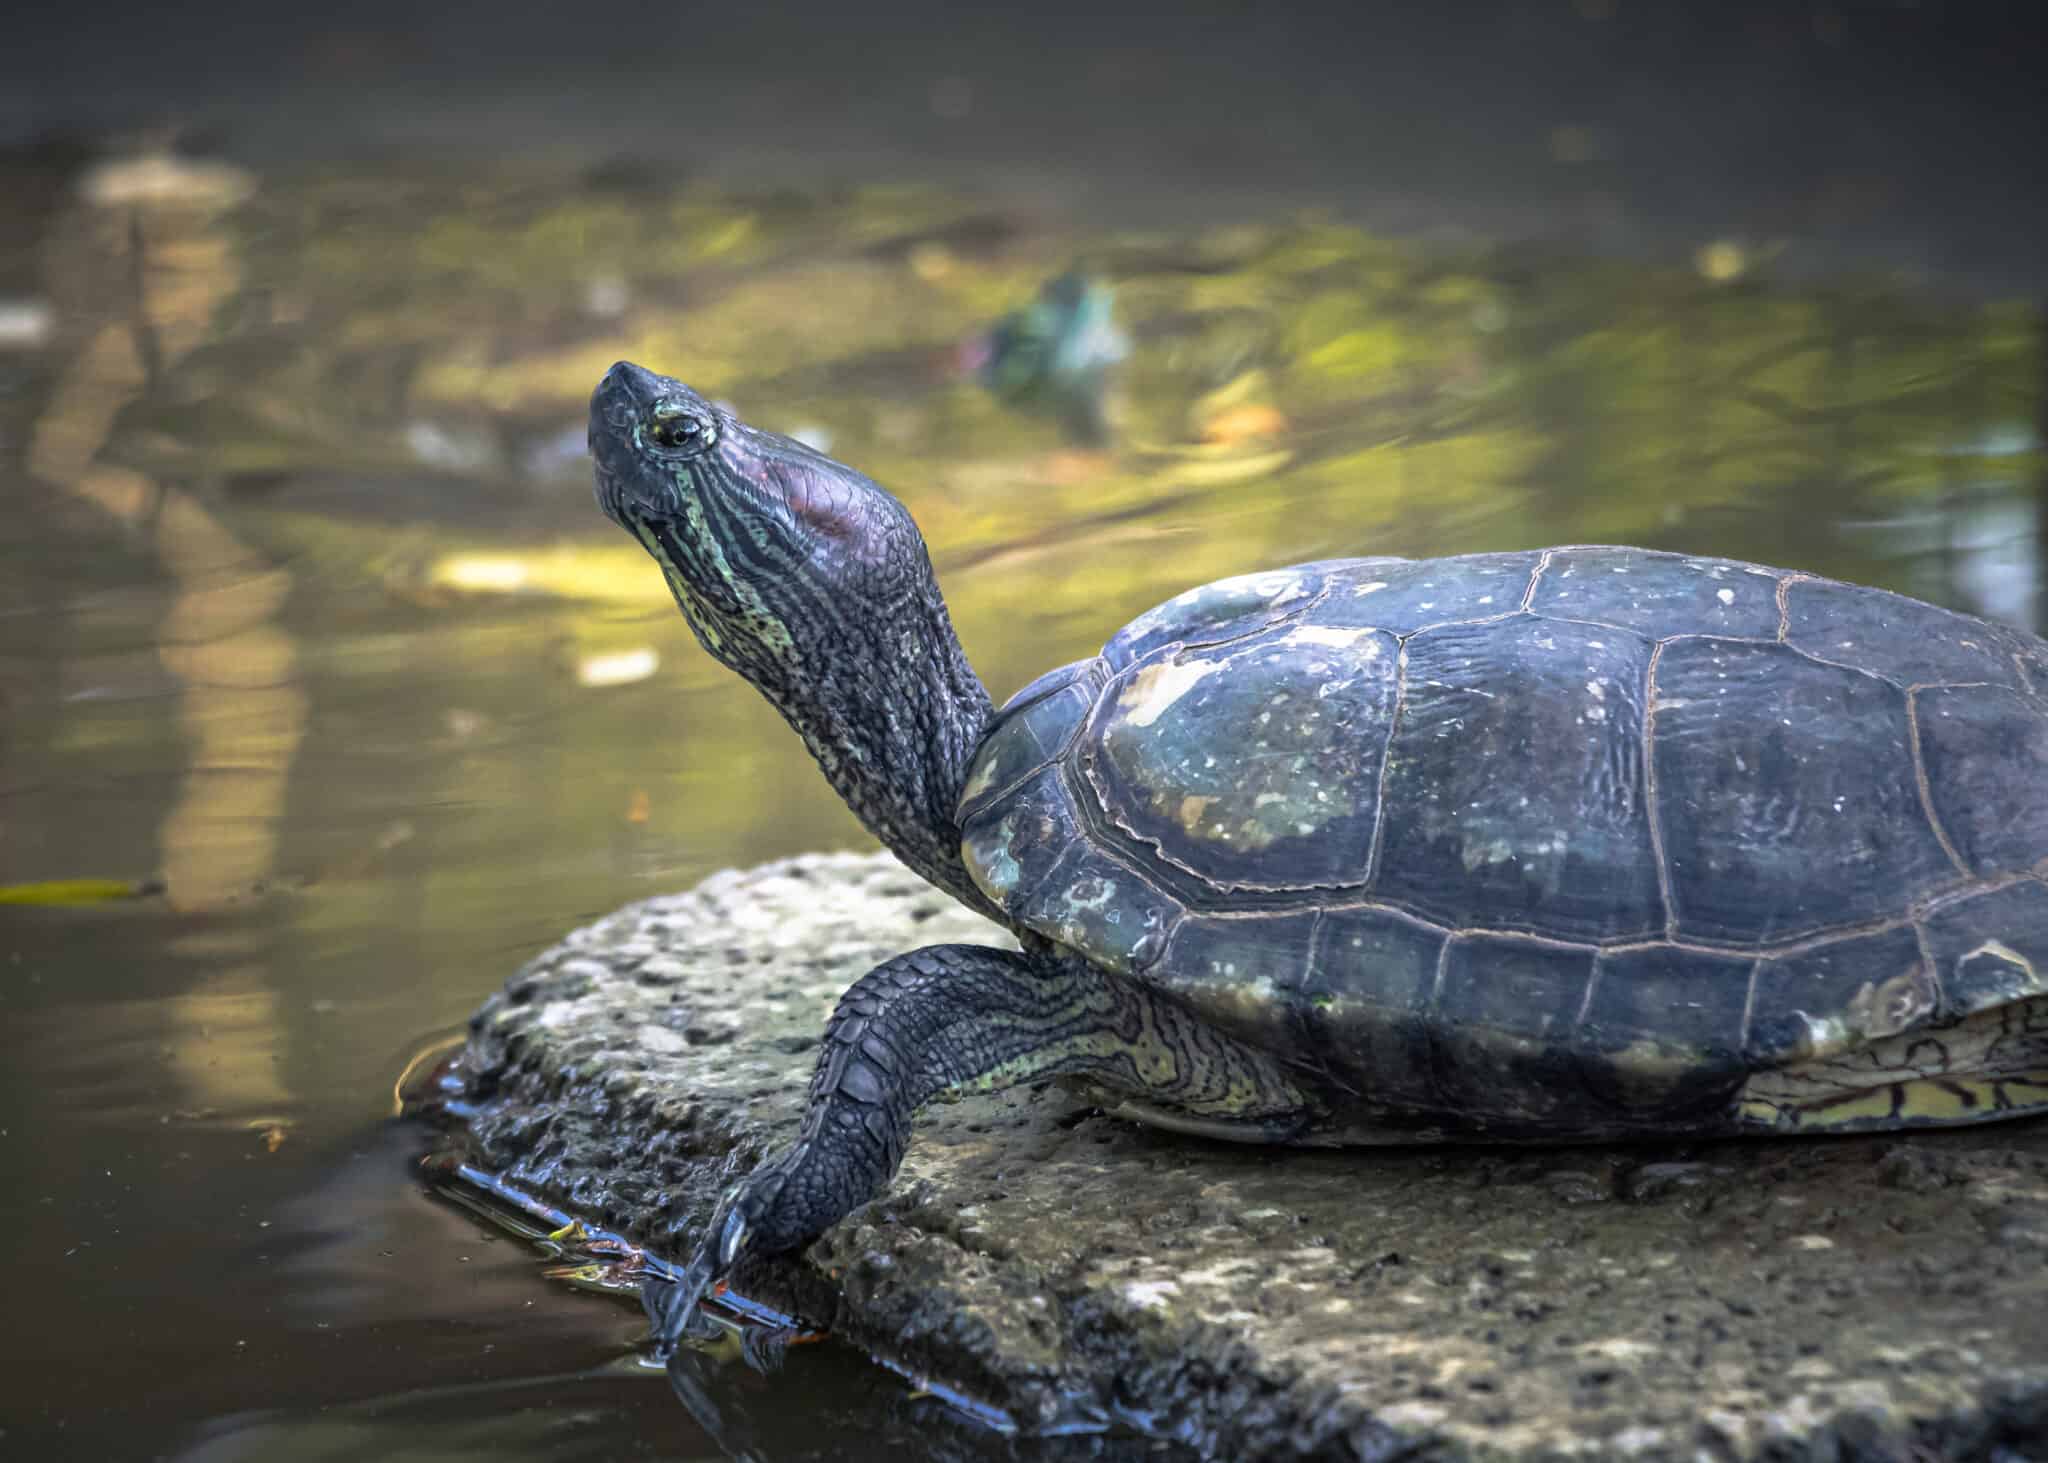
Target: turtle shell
{"points": [[1574, 839]]}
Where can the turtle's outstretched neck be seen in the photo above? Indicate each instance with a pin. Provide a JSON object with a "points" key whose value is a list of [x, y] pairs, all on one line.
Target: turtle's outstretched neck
{"points": [[894, 713], [813, 583]]}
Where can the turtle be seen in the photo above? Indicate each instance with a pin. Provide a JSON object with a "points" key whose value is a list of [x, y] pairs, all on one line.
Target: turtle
{"points": [[1583, 843]]}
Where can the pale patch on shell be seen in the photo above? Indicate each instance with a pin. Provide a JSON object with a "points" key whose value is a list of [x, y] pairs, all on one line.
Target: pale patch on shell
{"points": [[1899, 1004], [1275, 585], [984, 777], [1999, 950], [1153, 690], [1648, 1057], [1335, 637]]}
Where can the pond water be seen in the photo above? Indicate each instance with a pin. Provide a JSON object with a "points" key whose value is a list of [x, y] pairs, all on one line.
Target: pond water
{"points": [[311, 634]]}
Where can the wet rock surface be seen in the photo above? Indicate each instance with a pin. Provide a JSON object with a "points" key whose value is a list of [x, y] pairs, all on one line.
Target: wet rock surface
{"points": [[1878, 1297]]}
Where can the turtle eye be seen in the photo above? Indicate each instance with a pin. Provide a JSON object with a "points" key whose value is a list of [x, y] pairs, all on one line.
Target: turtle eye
{"points": [[676, 428]]}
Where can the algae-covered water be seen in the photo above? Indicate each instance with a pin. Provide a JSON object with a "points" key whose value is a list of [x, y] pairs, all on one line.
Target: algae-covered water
{"points": [[326, 696]]}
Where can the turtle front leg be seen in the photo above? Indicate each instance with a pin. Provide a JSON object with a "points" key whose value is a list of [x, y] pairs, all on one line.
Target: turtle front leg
{"points": [[970, 1018]]}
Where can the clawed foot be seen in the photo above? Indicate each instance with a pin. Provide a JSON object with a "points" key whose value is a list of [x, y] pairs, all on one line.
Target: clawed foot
{"points": [[743, 1221], [680, 1312], [675, 1307]]}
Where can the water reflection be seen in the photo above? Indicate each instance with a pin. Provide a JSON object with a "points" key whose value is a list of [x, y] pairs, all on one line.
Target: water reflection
{"points": [[312, 616], [820, 1412], [1055, 356], [142, 265], [466, 1356]]}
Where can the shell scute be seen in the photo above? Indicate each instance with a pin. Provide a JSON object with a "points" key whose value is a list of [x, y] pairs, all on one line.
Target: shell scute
{"points": [[1404, 595], [1057, 679], [1094, 904], [1023, 740], [1823, 1001], [1991, 950], [1888, 635], [1365, 1002], [1213, 614], [1243, 973], [1011, 845], [1662, 1031], [1514, 783], [1501, 1029], [1985, 750], [1257, 766], [1659, 595], [1787, 794]]}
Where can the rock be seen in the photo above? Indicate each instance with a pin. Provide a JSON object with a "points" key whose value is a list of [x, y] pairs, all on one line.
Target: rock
{"points": [[1850, 1298]]}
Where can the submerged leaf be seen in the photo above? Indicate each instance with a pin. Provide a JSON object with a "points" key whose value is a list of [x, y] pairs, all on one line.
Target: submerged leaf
{"points": [[77, 891]]}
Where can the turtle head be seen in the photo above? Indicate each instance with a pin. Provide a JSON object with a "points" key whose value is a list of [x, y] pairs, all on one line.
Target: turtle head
{"points": [[814, 584], [774, 551]]}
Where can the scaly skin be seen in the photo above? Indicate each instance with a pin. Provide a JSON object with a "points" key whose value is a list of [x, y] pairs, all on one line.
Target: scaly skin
{"points": [[815, 585], [968, 1018]]}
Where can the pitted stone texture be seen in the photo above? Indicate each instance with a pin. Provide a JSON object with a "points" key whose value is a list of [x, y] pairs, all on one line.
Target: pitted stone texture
{"points": [[1848, 1298]]}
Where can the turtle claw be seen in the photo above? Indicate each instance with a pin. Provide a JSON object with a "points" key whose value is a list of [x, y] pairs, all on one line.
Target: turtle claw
{"points": [[675, 1306], [697, 1282]]}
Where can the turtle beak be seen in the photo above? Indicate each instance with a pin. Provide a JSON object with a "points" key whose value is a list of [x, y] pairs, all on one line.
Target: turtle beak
{"points": [[632, 385], [627, 486]]}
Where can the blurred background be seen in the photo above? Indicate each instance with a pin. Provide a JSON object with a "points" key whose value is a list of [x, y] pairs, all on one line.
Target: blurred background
{"points": [[326, 696]]}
